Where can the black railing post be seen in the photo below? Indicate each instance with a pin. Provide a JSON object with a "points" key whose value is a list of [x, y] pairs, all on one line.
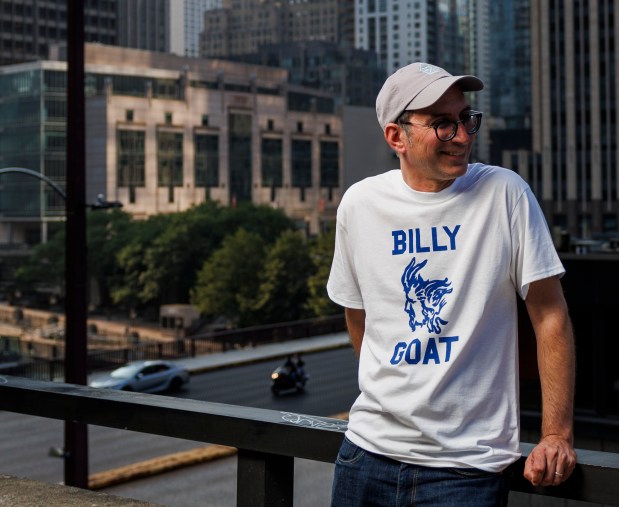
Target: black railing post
{"points": [[76, 434], [264, 480]]}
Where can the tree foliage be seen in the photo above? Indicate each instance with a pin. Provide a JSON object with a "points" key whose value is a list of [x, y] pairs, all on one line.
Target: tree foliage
{"points": [[106, 233], [127, 287], [45, 267], [283, 289], [228, 281], [248, 263], [162, 267], [321, 252]]}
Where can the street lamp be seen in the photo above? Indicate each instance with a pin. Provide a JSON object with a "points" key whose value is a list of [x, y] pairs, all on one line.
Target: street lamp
{"points": [[75, 452], [101, 202]]}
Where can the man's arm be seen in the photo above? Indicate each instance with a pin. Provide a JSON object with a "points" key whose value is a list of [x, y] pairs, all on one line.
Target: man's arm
{"points": [[355, 321], [553, 459]]}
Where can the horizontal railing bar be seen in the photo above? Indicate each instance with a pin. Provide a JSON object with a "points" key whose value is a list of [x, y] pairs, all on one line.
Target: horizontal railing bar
{"points": [[255, 429], [261, 431]]}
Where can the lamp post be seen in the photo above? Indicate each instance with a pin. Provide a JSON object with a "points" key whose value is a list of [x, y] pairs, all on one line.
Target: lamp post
{"points": [[75, 451]]}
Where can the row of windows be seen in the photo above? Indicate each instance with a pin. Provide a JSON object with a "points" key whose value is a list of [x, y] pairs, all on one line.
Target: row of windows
{"points": [[131, 160]]}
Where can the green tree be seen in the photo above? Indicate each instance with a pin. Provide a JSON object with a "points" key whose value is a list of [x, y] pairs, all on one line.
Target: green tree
{"points": [[127, 287], [106, 234], [45, 267], [228, 281], [283, 290], [321, 252], [173, 258]]}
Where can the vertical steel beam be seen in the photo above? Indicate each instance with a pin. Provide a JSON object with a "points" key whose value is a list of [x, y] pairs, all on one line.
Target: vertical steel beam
{"points": [[264, 480], [76, 434]]}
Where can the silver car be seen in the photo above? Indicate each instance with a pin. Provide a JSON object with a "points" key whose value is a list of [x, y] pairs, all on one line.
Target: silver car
{"points": [[144, 376]]}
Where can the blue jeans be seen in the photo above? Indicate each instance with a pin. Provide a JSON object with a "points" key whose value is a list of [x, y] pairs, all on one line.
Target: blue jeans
{"points": [[365, 479]]}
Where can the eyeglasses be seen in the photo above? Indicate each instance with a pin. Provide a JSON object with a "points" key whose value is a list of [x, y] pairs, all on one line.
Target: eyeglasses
{"points": [[446, 130]]}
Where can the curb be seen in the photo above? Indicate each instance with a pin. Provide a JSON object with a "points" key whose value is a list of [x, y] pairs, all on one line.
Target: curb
{"points": [[166, 463], [158, 465], [267, 357]]}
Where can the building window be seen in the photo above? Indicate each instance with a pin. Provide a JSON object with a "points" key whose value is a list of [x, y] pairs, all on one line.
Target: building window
{"points": [[270, 125], [609, 223], [207, 160], [299, 126], [55, 109], [129, 115], [55, 141], [240, 156], [130, 165], [169, 159], [301, 164], [205, 120], [168, 118], [329, 164], [327, 129], [272, 163]]}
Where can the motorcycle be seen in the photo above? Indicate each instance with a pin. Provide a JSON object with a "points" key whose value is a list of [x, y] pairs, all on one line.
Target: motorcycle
{"points": [[288, 377]]}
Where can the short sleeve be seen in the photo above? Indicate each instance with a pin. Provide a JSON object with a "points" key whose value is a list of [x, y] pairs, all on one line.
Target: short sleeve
{"points": [[534, 256], [343, 285]]}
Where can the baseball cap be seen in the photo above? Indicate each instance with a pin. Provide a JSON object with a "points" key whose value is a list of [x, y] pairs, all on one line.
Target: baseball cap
{"points": [[416, 86]]}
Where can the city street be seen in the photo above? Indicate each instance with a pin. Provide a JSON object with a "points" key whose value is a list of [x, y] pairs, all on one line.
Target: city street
{"points": [[331, 390]]}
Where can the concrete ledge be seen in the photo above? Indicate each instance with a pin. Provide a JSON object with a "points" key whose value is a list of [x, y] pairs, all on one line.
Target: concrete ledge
{"points": [[18, 492]]}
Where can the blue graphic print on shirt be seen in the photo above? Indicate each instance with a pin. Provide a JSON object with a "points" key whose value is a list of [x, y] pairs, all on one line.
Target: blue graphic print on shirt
{"points": [[414, 240], [424, 298]]}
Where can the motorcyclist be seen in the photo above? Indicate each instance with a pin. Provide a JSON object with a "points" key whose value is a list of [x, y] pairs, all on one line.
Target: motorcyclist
{"points": [[299, 363], [294, 366]]}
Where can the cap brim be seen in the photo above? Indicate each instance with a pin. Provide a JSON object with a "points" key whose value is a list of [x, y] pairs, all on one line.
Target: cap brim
{"points": [[432, 93]]}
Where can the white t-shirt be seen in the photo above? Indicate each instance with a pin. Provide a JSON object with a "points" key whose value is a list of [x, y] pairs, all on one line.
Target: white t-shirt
{"points": [[437, 275]]}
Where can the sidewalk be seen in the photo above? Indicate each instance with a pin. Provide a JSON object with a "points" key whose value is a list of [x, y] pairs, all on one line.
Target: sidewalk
{"points": [[262, 352], [19, 492]]}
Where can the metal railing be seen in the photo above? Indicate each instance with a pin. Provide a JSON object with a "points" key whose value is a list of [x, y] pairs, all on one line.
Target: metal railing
{"points": [[267, 440]]}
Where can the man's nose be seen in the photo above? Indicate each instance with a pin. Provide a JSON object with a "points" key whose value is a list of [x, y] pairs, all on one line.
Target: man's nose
{"points": [[462, 136]]}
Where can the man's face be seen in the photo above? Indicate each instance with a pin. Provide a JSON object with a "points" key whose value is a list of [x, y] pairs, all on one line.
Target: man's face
{"points": [[430, 165]]}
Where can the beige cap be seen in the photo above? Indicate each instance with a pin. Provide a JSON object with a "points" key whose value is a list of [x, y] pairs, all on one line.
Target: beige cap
{"points": [[416, 86]]}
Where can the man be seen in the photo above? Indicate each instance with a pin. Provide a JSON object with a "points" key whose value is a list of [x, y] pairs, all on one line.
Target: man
{"points": [[429, 260]]}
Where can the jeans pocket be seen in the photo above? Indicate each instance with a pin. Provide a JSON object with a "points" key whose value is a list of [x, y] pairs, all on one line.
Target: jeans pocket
{"points": [[349, 453]]}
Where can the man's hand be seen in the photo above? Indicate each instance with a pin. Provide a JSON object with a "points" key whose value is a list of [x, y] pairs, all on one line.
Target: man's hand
{"points": [[551, 462]]}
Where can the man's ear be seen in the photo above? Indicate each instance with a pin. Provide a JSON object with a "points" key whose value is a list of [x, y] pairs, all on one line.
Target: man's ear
{"points": [[394, 136]]}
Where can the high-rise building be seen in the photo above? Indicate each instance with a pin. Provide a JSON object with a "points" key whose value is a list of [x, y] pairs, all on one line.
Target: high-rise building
{"points": [[150, 24], [573, 167], [30, 27], [352, 75], [510, 63], [510, 80], [193, 14], [448, 33], [239, 27], [399, 32], [167, 26]]}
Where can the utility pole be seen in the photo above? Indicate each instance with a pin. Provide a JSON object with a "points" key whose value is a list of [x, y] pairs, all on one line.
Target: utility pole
{"points": [[76, 434]]}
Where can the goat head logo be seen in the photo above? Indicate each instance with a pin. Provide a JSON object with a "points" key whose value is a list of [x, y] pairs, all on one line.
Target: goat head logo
{"points": [[424, 298]]}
